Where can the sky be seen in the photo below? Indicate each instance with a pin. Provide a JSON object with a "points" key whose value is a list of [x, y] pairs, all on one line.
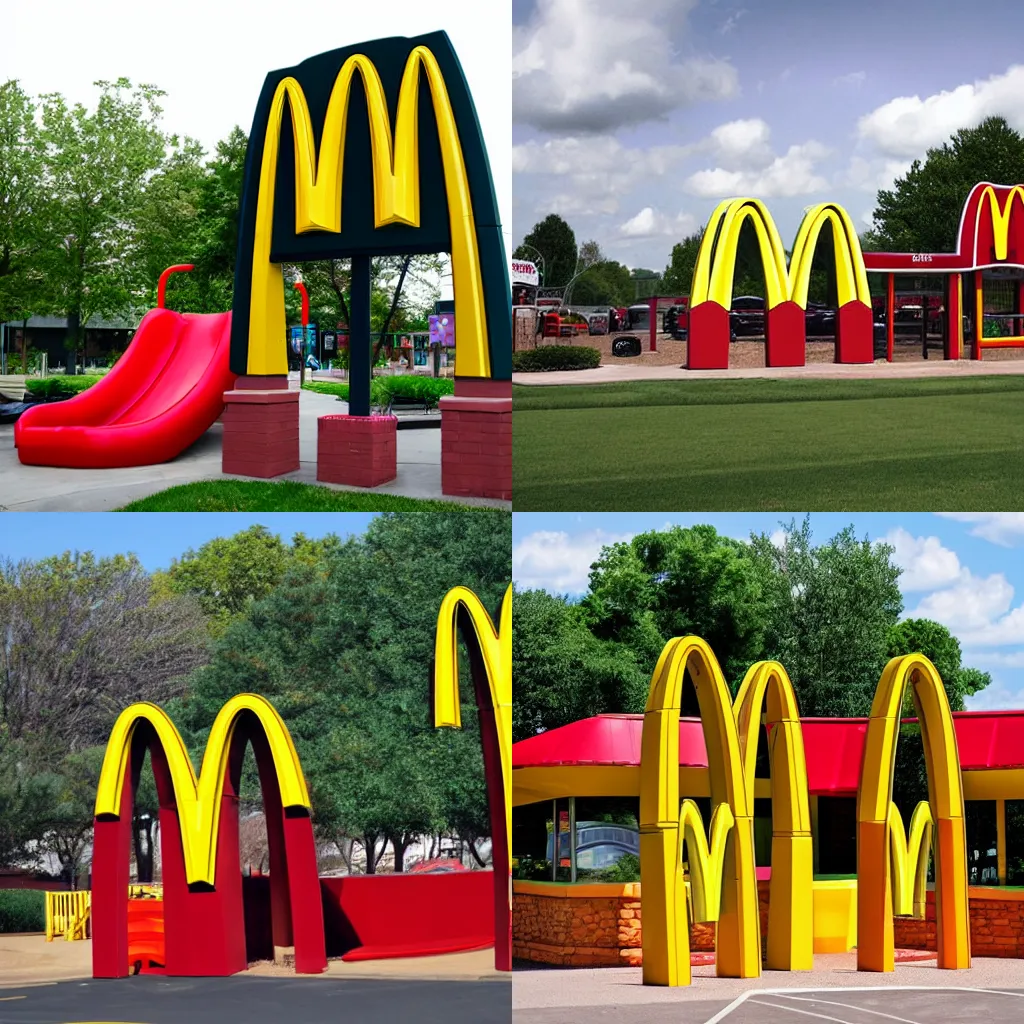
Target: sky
{"points": [[633, 121], [211, 56], [965, 570], [156, 537]]}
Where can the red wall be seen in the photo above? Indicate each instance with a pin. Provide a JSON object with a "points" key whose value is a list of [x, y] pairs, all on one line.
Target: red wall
{"points": [[373, 917]]}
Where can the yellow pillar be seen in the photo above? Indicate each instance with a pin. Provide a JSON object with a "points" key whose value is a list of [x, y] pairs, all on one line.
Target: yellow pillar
{"points": [[1001, 840]]}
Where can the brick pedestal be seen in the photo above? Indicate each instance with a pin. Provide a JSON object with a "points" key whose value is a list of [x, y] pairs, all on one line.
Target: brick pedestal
{"points": [[261, 432], [357, 450], [476, 440]]}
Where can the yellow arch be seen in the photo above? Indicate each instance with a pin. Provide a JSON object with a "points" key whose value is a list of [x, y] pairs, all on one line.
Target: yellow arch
{"points": [[396, 192], [851, 275], [665, 942], [790, 917], [716, 260], [910, 859], [945, 795], [199, 802], [1000, 214], [496, 651]]}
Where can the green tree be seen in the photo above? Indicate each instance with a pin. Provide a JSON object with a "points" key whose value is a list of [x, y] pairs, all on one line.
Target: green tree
{"points": [[606, 283], [935, 642], [921, 212], [343, 645], [556, 241], [190, 214], [832, 609], [97, 165], [562, 671], [678, 276], [22, 198], [679, 581]]}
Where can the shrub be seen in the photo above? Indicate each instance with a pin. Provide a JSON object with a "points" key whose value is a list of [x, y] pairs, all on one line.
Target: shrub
{"points": [[427, 389], [556, 357], [61, 387], [22, 910]]}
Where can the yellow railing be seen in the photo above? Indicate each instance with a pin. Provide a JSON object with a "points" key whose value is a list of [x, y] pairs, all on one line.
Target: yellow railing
{"points": [[67, 914], [146, 891]]}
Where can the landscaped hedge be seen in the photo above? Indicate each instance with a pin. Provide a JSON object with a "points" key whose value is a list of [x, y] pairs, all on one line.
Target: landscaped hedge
{"points": [[556, 357], [22, 910], [428, 389], [61, 387]]}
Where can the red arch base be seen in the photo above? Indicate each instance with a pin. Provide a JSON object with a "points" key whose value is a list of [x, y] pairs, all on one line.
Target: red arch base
{"points": [[204, 929]]}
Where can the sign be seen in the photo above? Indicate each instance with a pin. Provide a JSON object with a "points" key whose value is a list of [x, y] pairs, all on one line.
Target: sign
{"points": [[524, 272], [442, 329], [383, 155], [328, 341]]}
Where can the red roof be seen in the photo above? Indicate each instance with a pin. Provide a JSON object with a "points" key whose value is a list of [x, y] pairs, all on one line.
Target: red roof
{"points": [[604, 739], [833, 747]]}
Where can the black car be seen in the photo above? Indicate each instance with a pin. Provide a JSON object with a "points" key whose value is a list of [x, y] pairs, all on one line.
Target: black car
{"points": [[746, 318]]}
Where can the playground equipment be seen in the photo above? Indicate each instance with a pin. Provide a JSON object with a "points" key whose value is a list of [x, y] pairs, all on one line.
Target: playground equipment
{"points": [[67, 915], [978, 298], [421, 183], [214, 921], [161, 396]]}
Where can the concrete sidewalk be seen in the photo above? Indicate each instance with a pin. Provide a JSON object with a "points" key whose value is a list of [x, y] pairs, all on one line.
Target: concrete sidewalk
{"points": [[45, 489], [31, 960], [812, 371]]}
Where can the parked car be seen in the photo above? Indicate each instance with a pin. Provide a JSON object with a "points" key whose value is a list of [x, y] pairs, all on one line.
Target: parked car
{"points": [[746, 318]]}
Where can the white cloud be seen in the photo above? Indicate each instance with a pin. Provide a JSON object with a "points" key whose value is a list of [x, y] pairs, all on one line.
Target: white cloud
{"points": [[743, 143], [975, 609], [792, 174], [1003, 528], [597, 65], [874, 173], [650, 223], [997, 696], [558, 562], [731, 21], [926, 564], [908, 125]]}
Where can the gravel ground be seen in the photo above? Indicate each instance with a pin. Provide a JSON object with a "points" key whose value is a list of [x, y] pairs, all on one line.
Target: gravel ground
{"points": [[749, 353]]}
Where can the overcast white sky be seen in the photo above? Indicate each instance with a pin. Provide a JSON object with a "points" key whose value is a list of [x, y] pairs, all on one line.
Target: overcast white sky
{"points": [[211, 56]]}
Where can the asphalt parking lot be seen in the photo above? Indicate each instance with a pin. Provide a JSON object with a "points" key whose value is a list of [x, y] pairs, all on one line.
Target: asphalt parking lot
{"points": [[944, 1005], [156, 1000]]}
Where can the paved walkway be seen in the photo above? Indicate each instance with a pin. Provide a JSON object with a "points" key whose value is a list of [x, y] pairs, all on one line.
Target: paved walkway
{"points": [[150, 999], [45, 489], [915, 993], [812, 371]]}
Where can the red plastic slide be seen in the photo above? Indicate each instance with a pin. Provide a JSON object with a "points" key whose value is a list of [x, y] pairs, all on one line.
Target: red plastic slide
{"points": [[161, 396]]}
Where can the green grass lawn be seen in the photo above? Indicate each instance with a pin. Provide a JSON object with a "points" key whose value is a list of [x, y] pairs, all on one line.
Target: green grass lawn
{"points": [[286, 496], [884, 445]]}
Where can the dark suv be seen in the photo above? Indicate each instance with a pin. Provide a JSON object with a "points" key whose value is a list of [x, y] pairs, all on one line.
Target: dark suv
{"points": [[746, 318]]}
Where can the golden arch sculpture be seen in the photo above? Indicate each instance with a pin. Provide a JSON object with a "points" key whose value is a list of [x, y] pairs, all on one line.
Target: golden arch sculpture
{"points": [[892, 868], [875, 947]]}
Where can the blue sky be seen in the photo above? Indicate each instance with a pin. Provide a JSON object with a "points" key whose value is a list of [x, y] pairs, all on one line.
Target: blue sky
{"points": [[156, 537], [964, 570], [633, 121]]}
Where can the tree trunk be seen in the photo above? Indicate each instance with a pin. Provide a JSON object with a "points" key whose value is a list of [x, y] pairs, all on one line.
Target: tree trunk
{"points": [[476, 856], [74, 322], [391, 312], [399, 844]]}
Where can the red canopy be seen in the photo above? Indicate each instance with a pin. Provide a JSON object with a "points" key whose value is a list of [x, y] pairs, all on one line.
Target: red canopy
{"points": [[833, 747]]}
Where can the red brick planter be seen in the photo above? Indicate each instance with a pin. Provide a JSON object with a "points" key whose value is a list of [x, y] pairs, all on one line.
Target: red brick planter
{"points": [[261, 432], [476, 442], [357, 450]]}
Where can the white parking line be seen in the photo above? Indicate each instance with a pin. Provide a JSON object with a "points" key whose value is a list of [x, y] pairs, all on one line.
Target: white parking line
{"points": [[793, 1009], [846, 1006], [750, 993]]}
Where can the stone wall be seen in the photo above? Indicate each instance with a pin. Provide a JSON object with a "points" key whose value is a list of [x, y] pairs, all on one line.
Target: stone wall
{"points": [[596, 925], [599, 925], [997, 925]]}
